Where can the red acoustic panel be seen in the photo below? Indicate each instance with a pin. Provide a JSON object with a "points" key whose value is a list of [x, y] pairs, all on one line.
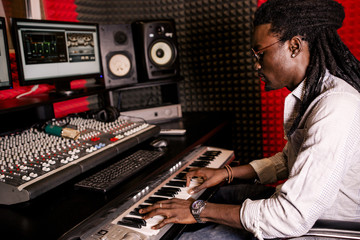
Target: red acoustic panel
{"points": [[60, 10], [272, 103], [350, 32], [62, 109]]}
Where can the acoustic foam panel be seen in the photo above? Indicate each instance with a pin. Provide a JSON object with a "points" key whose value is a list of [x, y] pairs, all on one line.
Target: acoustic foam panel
{"points": [[214, 39]]}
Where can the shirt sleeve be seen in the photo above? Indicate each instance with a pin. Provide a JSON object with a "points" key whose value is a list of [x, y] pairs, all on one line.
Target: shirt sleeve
{"points": [[329, 148], [272, 169]]}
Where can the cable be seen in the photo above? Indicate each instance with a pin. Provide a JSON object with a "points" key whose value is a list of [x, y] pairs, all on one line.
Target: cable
{"points": [[33, 89]]}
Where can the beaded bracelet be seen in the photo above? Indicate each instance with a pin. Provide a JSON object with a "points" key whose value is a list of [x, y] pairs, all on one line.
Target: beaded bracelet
{"points": [[230, 173]]}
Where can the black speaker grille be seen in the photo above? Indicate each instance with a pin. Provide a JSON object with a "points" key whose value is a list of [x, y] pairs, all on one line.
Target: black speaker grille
{"points": [[214, 39]]}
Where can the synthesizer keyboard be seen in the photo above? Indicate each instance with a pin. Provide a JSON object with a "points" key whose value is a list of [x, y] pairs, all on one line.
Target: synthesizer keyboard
{"points": [[33, 162], [111, 176], [120, 218]]}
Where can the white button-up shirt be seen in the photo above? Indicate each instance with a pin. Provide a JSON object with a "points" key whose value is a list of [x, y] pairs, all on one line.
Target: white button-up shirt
{"points": [[321, 161]]}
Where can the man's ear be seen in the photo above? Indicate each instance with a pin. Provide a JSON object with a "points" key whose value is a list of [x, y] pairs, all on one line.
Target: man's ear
{"points": [[295, 46]]}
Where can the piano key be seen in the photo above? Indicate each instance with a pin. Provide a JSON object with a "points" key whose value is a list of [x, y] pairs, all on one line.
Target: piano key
{"points": [[147, 230], [165, 193], [171, 189], [175, 187], [139, 221], [200, 164], [135, 212], [212, 153], [182, 194], [153, 200], [128, 223], [181, 175], [207, 158], [177, 183], [184, 191]]}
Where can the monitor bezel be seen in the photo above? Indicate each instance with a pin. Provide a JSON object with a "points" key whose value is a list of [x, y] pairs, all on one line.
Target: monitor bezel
{"points": [[53, 80], [7, 55]]}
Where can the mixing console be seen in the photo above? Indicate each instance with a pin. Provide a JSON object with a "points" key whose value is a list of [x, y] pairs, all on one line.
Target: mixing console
{"points": [[33, 161]]}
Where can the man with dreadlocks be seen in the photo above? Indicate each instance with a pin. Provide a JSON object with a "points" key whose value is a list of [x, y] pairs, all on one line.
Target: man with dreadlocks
{"points": [[295, 45]]}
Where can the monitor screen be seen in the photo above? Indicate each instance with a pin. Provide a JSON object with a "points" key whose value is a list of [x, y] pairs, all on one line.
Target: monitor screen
{"points": [[56, 52], [5, 73]]}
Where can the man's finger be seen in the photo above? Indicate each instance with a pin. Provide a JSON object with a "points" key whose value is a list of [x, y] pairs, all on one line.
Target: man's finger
{"points": [[197, 189], [163, 223], [189, 176], [154, 212]]}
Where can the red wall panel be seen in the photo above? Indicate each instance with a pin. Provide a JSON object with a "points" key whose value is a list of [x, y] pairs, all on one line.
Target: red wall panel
{"points": [[60, 10]]}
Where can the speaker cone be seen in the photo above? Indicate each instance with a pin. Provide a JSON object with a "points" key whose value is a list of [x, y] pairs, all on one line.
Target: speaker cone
{"points": [[119, 65], [162, 53]]}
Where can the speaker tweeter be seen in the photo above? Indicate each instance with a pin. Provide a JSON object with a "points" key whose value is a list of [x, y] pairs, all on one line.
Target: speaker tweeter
{"points": [[155, 49], [118, 56]]}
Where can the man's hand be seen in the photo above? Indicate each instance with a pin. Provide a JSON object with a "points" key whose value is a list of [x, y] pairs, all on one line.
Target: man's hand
{"points": [[210, 176], [174, 210]]}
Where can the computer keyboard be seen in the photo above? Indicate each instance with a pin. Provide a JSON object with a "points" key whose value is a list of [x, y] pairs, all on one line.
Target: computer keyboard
{"points": [[116, 173]]}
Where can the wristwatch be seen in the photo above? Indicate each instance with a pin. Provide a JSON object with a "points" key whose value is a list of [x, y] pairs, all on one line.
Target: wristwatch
{"points": [[196, 208]]}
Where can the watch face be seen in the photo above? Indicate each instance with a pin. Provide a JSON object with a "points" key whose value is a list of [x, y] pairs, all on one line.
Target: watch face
{"points": [[196, 204], [196, 208], [119, 65]]}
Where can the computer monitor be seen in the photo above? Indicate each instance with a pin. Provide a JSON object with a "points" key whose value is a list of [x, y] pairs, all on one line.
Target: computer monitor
{"points": [[5, 72], [56, 52]]}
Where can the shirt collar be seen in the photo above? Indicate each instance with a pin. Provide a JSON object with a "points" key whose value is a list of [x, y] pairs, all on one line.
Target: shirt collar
{"points": [[299, 91]]}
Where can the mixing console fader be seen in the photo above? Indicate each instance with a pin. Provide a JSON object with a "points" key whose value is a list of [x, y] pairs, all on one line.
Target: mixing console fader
{"points": [[33, 161]]}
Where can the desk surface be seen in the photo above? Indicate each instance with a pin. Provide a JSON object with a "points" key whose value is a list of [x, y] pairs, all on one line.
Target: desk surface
{"points": [[52, 214]]}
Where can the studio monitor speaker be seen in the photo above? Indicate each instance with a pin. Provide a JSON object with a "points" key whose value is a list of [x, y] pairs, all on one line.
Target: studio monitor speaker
{"points": [[156, 49], [118, 56]]}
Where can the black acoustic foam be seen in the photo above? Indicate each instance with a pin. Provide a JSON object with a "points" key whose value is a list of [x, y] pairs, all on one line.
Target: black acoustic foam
{"points": [[214, 39]]}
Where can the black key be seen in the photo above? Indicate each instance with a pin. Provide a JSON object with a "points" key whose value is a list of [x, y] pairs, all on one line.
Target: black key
{"points": [[200, 163], [143, 206], [135, 212], [129, 223], [181, 175], [154, 199], [212, 153], [206, 158], [171, 189], [177, 183], [165, 193], [140, 221]]}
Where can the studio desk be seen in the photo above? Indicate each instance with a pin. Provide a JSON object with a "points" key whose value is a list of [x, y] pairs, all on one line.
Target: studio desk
{"points": [[56, 213]]}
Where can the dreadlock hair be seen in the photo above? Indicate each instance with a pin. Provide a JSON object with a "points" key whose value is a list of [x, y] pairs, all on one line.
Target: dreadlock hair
{"points": [[317, 22]]}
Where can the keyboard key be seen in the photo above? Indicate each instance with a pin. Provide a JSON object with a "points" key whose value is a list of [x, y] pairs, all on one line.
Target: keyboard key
{"points": [[116, 173]]}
